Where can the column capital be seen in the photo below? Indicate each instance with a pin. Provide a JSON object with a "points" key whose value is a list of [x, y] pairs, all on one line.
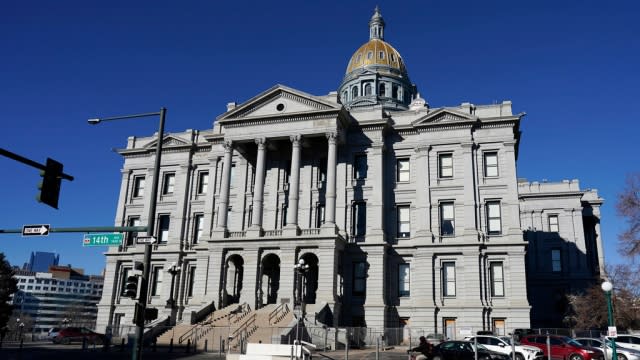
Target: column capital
{"points": [[467, 145], [332, 137], [295, 139], [261, 142], [228, 145]]}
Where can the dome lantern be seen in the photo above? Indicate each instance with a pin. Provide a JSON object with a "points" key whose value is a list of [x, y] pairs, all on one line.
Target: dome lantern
{"points": [[376, 25]]}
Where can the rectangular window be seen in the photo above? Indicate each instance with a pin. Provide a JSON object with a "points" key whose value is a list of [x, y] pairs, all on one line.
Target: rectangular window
{"points": [[499, 327], [163, 228], [553, 223], [494, 223], [359, 278], [232, 176], [322, 172], [449, 328], [319, 214], [156, 282], [404, 280], [203, 182], [449, 278], [447, 219], [445, 165], [360, 167], [497, 279], [490, 164], [198, 223], [192, 278], [556, 260], [358, 218], [402, 170], [404, 221], [138, 186], [168, 183], [131, 236]]}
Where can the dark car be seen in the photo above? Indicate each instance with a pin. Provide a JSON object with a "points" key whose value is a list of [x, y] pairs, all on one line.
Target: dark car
{"points": [[78, 334], [463, 350], [563, 347]]}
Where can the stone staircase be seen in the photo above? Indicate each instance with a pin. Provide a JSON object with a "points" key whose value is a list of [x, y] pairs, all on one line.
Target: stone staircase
{"points": [[232, 326]]}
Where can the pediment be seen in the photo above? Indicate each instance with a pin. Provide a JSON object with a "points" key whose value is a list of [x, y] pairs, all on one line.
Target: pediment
{"points": [[168, 140], [444, 115], [278, 101]]}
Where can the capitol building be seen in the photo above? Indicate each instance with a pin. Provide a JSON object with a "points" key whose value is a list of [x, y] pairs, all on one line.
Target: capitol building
{"points": [[407, 214]]}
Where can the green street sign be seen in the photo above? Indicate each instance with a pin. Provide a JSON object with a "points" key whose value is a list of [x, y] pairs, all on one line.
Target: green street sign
{"points": [[107, 239]]}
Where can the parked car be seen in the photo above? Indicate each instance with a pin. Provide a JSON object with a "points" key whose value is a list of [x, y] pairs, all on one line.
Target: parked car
{"points": [[52, 333], [518, 333], [563, 347], [629, 341], [463, 350], [77, 334], [622, 352], [503, 346]]}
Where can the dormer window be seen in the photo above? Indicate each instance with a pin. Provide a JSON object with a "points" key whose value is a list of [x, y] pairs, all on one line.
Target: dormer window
{"points": [[369, 55], [393, 58], [381, 55], [359, 58]]}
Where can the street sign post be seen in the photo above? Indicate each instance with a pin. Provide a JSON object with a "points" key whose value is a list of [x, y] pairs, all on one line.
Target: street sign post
{"points": [[145, 239], [107, 239], [35, 230]]}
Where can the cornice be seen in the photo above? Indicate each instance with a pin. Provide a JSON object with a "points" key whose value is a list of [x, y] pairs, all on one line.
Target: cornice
{"points": [[280, 118]]}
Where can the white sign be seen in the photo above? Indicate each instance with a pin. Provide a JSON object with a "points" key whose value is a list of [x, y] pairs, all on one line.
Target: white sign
{"points": [[465, 330], [612, 331], [35, 230], [145, 240]]}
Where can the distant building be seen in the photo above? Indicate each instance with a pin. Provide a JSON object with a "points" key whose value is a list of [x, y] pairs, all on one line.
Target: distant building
{"points": [[58, 294], [40, 261], [407, 215]]}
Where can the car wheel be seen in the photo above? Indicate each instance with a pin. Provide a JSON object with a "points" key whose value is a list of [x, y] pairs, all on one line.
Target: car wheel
{"points": [[575, 357], [519, 357], [437, 357], [97, 341], [484, 357], [65, 341], [621, 357]]}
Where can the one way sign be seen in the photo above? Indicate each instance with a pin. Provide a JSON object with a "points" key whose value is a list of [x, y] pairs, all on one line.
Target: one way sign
{"points": [[35, 230]]}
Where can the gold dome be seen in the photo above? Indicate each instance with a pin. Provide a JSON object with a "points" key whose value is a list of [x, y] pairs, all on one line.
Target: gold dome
{"points": [[376, 52]]}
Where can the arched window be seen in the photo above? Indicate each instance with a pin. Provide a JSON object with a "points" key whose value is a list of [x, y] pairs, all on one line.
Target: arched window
{"points": [[344, 96], [394, 91], [354, 92], [367, 89], [381, 55], [382, 90], [369, 55]]}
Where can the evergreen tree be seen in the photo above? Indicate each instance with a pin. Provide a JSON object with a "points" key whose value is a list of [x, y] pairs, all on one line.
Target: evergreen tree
{"points": [[8, 286]]}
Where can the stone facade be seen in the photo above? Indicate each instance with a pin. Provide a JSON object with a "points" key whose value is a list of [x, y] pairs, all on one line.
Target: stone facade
{"points": [[406, 215]]}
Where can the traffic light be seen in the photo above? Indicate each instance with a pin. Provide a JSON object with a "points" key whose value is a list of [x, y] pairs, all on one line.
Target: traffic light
{"points": [[134, 280], [131, 286], [50, 184]]}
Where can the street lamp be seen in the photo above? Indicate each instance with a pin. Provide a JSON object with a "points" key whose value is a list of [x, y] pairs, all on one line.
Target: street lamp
{"points": [[65, 322], [142, 301], [300, 268], [21, 328], [173, 271], [607, 287]]}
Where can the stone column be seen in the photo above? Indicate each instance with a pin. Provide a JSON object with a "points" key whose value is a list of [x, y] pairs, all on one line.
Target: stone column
{"points": [[294, 186], [598, 236], [423, 205], [375, 206], [224, 189], [470, 231], [330, 195], [258, 190]]}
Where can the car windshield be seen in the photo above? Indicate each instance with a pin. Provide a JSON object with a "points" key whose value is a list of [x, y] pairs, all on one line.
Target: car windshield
{"points": [[506, 339], [573, 342]]}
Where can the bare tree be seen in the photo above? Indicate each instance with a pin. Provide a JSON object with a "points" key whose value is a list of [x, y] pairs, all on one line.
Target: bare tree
{"points": [[628, 206]]}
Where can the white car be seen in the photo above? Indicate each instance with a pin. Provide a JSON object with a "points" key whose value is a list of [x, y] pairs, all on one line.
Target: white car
{"points": [[503, 345], [623, 353], [628, 341]]}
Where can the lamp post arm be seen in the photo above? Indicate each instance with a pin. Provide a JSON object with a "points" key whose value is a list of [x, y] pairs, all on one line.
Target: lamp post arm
{"points": [[112, 118]]}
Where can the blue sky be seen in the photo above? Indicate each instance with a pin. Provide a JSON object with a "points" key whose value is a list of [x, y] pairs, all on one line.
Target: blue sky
{"points": [[572, 66]]}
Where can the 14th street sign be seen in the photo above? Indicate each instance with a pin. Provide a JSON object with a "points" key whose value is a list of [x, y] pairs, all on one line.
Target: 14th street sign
{"points": [[35, 230]]}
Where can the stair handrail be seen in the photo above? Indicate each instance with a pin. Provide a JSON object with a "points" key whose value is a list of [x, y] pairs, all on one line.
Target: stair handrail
{"points": [[281, 309], [203, 313]]}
